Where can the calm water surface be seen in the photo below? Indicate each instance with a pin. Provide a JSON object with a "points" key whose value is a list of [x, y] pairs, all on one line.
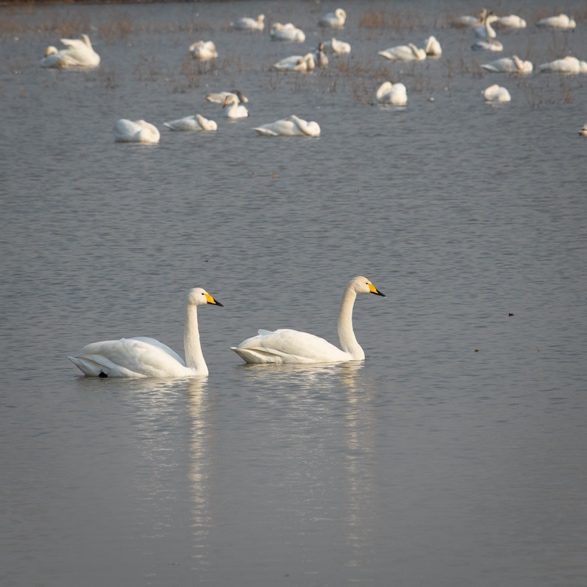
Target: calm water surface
{"points": [[453, 456]]}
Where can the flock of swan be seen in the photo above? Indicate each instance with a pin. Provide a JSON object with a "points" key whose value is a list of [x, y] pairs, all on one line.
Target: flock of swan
{"points": [[142, 356]]}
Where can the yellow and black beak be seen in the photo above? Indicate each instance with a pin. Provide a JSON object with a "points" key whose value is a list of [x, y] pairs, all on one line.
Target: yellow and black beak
{"points": [[375, 291], [212, 301]]}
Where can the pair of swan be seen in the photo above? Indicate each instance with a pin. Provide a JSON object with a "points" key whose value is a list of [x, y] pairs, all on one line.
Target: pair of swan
{"points": [[333, 20], [299, 63], [407, 52], [192, 123], [249, 24], [147, 357], [203, 50], [496, 94], [561, 21], [286, 32], [77, 53], [509, 65], [567, 64], [138, 131], [233, 108], [289, 127], [394, 94], [337, 47]]}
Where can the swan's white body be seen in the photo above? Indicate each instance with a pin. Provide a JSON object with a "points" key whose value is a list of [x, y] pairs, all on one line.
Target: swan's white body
{"points": [[509, 65], [286, 32], [220, 97], [432, 47], [404, 53], [147, 357], [511, 22], [567, 64], [487, 45], [233, 108], [203, 50], [138, 131], [289, 127], [249, 24], [337, 47], [77, 53], [333, 20], [299, 63], [395, 94], [494, 94], [192, 123], [484, 30], [583, 131], [471, 21], [561, 21], [293, 346]]}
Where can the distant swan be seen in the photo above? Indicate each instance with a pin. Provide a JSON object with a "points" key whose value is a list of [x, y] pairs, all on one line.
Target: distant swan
{"points": [[470, 21], [220, 97], [293, 346], [320, 58], [334, 20], [195, 123], [484, 30], [77, 53], [302, 64], [432, 47], [289, 127], [583, 131], [337, 47], [233, 108], [509, 65], [139, 131], [487, 45], [496, 93], [511, 22], [147, 357], [249, 24], [286, 32], [203, 50], [394, 94], [562, 21], [566, 65], [404, 53]]}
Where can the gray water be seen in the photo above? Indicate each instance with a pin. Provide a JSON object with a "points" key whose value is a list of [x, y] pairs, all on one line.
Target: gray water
{"points": [[453, 456]]}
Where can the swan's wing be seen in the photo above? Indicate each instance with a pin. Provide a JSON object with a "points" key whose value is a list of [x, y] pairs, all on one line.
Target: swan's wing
{"points": [[278, 128], [186, 123], [159, 344]]}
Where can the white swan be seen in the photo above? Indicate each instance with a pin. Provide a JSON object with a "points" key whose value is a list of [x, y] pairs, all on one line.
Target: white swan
{"points": [[407, 52], [484, 30], [495, 93], [293, 346], [147, 357], [302, 64], [77, 53], [334, 20], [509, 65], [203, 50], [567, 64], [320, 58], [286, 32], [561, 21], [289, 127], [233, 108], [511, 22], [249, 24], [394, 94], [470, 21], [138, 131], [220, 97], [432, 47], [487, 45], [196, 123], [337, 47], [583, 131]]}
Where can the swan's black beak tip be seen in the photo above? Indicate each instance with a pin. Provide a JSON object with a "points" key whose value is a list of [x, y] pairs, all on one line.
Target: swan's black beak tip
{"points": [[378, 293]]}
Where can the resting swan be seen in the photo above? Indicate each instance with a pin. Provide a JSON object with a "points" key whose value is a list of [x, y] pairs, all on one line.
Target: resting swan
{"points": [[495, 93], [220, 97], [289, 127], [249, 24], [394, 94], [509, 65], [286, 32], [562, 22], [334, 20], [77, 53], [233, 108], [432, 47], [147, 357], [197, 122], [138, 131], [511, 21], [299, 63], [337, 47], [567, 64], [203, 50], [404, 53], [293, 346]]}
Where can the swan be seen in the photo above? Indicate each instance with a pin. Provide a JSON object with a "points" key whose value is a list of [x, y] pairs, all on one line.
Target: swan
{"points": [[320, 58], [220, 97], [77, 53], [495, 93], [203, 50], [432, 47], [394, 94], [404, 53], [470, 21], [511, 22], [487, 45], [293, 346], [509, 65], [249, 24], [484, 30], [337, 47], [296, 63], [139, 131], [147, 357], [561, 21], [583, 131], [334, 20], [233, 108], [289, 127], [566, 65], [197, 122], [286, 32]]}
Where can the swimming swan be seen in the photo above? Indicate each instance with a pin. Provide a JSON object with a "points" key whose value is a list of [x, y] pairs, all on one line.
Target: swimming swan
{"points": [[299, 63], [197, 122], [509, 65], [562, 21], [147, 357], [394, 94], [337, 47], [404, 53], [495, 93], [286, 32], [249, 24], [293, 346], [567, 64], [220, 97], [138, 131], [233, 108], [289, 127], [334, 20], [77, 53], [203, 50]]}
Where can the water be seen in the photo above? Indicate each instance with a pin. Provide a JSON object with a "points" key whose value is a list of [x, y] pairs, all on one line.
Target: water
{"points": [[455, 455]]}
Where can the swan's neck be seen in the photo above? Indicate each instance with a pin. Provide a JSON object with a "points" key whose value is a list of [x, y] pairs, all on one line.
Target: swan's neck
{"points": [[348, 341], [194, 359]]}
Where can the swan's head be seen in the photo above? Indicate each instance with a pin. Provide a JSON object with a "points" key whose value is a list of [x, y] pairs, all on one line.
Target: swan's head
{"points": [[340, 13], [261, 18], [200, 297], [230, 99], [361, 284], [241, 97], [50, 51]]}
